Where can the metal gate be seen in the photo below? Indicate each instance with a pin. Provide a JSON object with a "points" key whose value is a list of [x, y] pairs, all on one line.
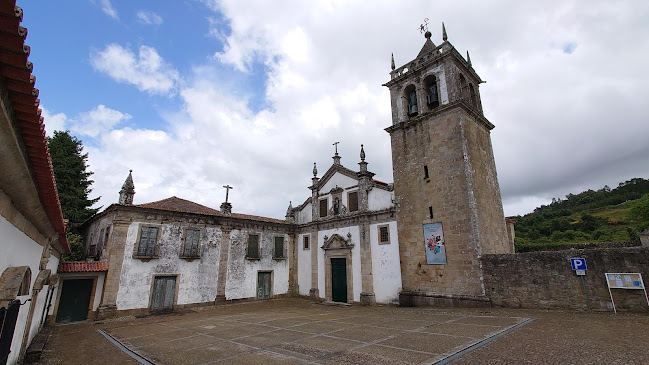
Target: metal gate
{"points": [[263, 285], [164, 290], [339, 280], [8, 318]]}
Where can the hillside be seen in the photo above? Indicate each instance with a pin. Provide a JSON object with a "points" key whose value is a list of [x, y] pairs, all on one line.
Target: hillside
{"points": [[605, 215]]}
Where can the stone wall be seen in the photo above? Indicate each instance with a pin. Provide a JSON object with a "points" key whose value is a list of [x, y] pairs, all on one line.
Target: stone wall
{"points": [[546, 280]]}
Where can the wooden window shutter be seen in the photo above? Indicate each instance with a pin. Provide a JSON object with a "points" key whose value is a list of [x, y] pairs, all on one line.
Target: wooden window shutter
{"points": [[323, 207], [253, 246], [279, 247], [353, 201]]}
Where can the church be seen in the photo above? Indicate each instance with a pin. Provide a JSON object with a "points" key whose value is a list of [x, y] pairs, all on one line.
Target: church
{"points": [[353, 240]]}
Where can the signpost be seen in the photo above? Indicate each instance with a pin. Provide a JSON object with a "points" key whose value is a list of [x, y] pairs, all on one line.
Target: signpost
{"points": [[578, 264], [625, 281]]}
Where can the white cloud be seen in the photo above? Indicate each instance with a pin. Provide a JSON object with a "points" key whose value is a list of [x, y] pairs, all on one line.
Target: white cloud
{"points": [[98, 120], [565, 121], [149, 17], [54, 122], [146, 70], [108, 9]]}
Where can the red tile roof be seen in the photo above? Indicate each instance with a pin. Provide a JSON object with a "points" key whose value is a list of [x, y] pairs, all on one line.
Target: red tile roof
{"points": [[83, 266], [175, 204], [19, 85]]}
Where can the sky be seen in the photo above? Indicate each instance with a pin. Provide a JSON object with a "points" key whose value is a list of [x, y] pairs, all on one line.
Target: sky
{"points": [[193, 95]]}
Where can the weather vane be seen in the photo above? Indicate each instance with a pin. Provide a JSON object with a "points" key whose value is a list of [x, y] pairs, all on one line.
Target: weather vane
{"points": [[423, 28]]}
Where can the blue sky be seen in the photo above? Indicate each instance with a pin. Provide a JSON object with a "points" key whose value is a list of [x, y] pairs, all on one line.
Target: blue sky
{"points": [[193, 95]]}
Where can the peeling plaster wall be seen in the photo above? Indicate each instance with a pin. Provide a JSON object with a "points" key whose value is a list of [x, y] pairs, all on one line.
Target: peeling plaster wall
{"points": [[386, 269], [356, 259], [242, 272], [305, 215], [304, 264], [197, 279], [379, 199]]}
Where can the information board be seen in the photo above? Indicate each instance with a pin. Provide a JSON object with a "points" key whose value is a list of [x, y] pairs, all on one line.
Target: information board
{"points": [[624, 280]]}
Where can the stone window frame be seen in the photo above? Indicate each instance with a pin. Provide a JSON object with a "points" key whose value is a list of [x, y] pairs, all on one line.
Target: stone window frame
{"points": [[136, 247], [349, 201], [326, 208], [283, 253], [387, 229], [183, 246], [258, 256], [306, 242]]}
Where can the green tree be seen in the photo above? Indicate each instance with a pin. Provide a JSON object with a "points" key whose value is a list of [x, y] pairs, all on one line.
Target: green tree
{"points": [[72, 179], [77, 251]]}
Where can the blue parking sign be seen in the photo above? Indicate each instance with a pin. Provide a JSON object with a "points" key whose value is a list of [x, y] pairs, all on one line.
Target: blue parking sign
{"points": [[578, 263]]}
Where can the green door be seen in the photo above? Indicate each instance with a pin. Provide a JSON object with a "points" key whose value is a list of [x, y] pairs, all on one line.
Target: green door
{"points": [[74, 301], [164, 289], [263, 285], [339, 280]]}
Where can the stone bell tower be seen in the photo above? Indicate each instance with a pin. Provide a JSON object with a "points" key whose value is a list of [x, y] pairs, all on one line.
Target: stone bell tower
{"points": [[449, 206]]}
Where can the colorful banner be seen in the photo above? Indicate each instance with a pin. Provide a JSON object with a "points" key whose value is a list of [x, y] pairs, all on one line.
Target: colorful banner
{"points": [[434, 243]]}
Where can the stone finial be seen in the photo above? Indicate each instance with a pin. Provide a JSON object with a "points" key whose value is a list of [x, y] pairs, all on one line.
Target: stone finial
{"points": [[362, 154], [468, 58], [444, 36], [393, 66], [128, 190], [315, 170], [226, 209], [290, 214]]}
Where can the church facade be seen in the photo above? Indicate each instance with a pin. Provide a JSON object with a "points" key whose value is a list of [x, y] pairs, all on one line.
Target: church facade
{"points": [[354, 240]]}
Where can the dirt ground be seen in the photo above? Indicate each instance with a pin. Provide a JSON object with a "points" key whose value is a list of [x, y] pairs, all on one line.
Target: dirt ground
{"points": [[300, 332]]}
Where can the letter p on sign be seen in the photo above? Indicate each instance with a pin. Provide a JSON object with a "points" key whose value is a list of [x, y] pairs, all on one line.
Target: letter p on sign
{"points": [[578, 263]]}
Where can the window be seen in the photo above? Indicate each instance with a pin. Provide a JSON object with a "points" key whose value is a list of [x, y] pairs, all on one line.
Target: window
{"points": [[426, 172], [412, 103], [253, 246], [191, 247], [148, 240], [323, 208], [279, 248], [352, 201], [430, 212], [432, 99], [384, 234], [305, 241], [474, 100]]}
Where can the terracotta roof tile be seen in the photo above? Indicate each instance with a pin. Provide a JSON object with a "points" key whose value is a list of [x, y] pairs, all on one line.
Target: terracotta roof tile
{"points": [[18, 85], [83, 266], [175, 204]]}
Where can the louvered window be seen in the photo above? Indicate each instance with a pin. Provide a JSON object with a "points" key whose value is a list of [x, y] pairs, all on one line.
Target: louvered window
{"points": [[192, 237], [253, 246], [353, 201], [148, 241]]}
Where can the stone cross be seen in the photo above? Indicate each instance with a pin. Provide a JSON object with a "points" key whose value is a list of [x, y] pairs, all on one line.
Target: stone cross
{"points": [[227, 191], [336, 145]]}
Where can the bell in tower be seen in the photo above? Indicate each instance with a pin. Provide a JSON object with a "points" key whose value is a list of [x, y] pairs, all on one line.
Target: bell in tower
{"points": [[450, 209]]}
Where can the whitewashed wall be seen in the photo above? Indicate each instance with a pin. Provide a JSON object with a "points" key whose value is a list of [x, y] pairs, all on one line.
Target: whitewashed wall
{"points": [[306, 214], [242, 272], [386, 268], [304, 263], [197, 279], [339, 180], [20, 250], [356, 259], [379, 199]]}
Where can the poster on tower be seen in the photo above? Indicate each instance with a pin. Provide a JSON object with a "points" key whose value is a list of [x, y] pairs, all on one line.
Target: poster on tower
{"points": [[434, 243]]}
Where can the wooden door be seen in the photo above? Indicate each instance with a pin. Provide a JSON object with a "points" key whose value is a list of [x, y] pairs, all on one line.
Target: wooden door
{"points": [[75, 300], [164, 290], [339, 280], [263, 285], [8, 318]]}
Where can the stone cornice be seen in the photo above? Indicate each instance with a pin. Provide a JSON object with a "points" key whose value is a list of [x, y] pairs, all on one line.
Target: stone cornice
{"points": [[450, 107]]}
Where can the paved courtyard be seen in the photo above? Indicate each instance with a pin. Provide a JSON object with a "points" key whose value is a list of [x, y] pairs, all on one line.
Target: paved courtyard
{"points": [[295, 331]]}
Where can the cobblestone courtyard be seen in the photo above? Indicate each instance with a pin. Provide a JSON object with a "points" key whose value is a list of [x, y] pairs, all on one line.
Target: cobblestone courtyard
{"points": [[296, 332]]}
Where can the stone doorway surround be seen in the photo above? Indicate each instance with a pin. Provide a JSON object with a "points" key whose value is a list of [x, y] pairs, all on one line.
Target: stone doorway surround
{"points": [[337, 246]]}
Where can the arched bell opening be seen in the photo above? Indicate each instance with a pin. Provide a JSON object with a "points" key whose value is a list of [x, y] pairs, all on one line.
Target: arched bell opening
{"points": [[432, 92]]}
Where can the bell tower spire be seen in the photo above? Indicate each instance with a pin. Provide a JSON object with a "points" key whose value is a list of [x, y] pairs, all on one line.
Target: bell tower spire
{"points": [[128, 190]]}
